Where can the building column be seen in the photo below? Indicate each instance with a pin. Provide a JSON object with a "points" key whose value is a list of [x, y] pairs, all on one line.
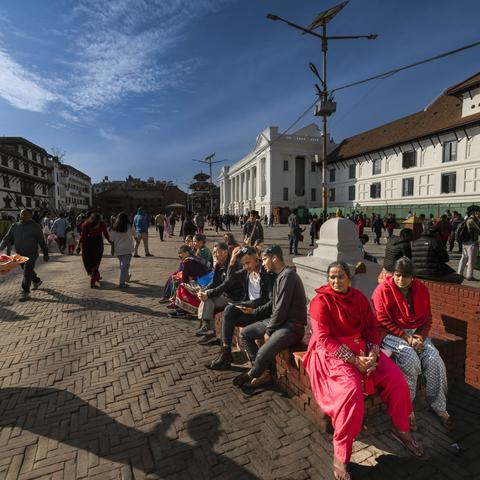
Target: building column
{"points": [[253, 182]]}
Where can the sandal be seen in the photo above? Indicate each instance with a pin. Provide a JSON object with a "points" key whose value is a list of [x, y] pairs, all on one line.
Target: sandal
{"points": [[413, 423], [414, 447], [340, 474], [445, 419], [264, 379]]}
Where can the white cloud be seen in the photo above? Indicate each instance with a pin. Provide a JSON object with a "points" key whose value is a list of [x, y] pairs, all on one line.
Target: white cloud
{"points": [[21, 88], [121, 43], [108, 134], [117, 47]]}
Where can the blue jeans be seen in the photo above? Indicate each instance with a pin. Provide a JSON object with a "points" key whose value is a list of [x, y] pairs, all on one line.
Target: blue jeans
{"points": [[124, 267], [293, 244], [262, 358]]}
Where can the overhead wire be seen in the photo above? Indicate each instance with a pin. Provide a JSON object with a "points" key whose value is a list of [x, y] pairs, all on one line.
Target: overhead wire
{"points": [[384, 75], [380, 76]]}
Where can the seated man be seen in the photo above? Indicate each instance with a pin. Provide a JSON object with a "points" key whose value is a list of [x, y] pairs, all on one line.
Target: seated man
{"points": [[257, 286], [201, 250], [430, 258], [397, 247], [219, 293], [284, 327]]}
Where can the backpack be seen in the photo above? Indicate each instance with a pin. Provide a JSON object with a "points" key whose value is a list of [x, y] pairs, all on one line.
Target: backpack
{"points": [[463, 234]]}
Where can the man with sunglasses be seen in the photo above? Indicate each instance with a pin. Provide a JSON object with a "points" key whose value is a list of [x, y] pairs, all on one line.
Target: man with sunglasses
{"points": [[257, 286], [283, 324]]}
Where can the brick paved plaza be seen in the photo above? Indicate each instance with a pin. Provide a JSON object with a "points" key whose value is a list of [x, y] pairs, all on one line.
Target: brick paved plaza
{"points": [[101, 384]]}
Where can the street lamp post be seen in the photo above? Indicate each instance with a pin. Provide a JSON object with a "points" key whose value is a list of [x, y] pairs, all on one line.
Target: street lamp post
{"points": [[326, 106]]}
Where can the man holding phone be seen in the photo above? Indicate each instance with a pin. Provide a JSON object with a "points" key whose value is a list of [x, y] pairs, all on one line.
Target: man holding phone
{"points": [[283, 324], [257, 283]]}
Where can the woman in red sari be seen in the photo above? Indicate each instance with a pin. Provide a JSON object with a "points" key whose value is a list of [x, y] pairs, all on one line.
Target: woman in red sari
{"points": [[344, 364], [91, 243]]}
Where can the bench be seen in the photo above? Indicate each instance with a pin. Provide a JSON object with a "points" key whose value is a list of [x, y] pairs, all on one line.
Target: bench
{"points": [[292, 378]]}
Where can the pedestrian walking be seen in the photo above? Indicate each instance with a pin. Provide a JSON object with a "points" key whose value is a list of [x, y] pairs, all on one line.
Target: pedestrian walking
{"points": [[160, 224], [71, 240], [59, 229], [27, 237], [294, 232], [91, 246], [377, 227], [172, 220], [122, 235], [141, 224], [467, 234], [199, 220]]}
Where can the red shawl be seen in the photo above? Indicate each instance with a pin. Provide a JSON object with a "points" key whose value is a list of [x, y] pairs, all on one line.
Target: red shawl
{"points": [[392, 308], [338, 315]]}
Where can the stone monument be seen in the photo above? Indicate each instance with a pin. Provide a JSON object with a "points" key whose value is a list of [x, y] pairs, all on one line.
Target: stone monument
{"points": [[338, 242]]}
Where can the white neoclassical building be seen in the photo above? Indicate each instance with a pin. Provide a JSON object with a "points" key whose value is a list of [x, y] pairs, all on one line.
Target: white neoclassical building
{"points": [[426, 162], [278, 175]]}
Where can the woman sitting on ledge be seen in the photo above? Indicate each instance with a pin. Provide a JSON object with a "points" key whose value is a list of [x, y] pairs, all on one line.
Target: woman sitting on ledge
{"points": [[344, 363], [402, 304]]}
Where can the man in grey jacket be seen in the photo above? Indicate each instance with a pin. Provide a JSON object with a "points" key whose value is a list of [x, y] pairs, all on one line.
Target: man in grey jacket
{"points": [[284, 325], [27, 236]]}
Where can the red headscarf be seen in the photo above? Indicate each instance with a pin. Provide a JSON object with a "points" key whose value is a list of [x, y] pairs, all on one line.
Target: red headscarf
{"points": [[395, 306]]}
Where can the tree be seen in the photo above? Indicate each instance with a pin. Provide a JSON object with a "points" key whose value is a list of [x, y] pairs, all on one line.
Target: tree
{"points": [[59, 153]]}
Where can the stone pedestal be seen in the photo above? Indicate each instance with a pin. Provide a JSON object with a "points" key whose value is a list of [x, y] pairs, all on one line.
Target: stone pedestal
{"points": [[338, 242]]}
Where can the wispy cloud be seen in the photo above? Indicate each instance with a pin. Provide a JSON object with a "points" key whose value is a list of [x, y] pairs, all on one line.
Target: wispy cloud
{"points": [[22, 88], [117, 48]]}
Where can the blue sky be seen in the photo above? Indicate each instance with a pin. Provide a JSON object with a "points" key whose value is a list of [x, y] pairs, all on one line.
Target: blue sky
{"points": [[142, 87]]}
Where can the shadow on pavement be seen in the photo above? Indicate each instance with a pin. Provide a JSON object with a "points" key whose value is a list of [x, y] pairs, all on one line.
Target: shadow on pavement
{"points": [[7, 315], [62, 416], [87, 303]]}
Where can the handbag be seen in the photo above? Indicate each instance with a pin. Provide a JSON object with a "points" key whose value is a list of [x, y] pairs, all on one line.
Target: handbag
{"points": [[248, 239]]}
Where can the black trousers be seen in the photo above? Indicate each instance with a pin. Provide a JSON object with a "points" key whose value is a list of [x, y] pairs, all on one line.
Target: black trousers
{"points": [[233, 317], [29, 274]]}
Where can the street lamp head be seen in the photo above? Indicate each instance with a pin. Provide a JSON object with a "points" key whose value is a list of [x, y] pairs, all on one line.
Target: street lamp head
{"points": [[271, 16], [313, 68], [372, 36]]}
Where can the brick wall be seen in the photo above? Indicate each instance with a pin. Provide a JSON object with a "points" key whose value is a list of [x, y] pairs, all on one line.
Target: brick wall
{"points": [[456, 310]]}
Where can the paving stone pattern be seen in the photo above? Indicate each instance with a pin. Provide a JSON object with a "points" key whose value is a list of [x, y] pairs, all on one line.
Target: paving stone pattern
{"points": [[101, 384]]}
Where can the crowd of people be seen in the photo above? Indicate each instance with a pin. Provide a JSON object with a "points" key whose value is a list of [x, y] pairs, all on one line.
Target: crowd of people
{"points": [[429, 250], [356, 347]]}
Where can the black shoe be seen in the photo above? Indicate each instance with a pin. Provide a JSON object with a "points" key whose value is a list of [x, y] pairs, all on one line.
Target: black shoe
{"points": [[36, 284], [177, 314], [223, 361], [137, 256], [208, 339], [203, 330], [149, 255], [241, 379]]}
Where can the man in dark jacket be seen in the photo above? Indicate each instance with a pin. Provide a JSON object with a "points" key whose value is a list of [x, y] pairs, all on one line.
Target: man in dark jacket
{"points": [[253, 230], [294, 232], [257, 288], [397, 247], [27, 236], [430, 258], [219, 292], [285, 317]]}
